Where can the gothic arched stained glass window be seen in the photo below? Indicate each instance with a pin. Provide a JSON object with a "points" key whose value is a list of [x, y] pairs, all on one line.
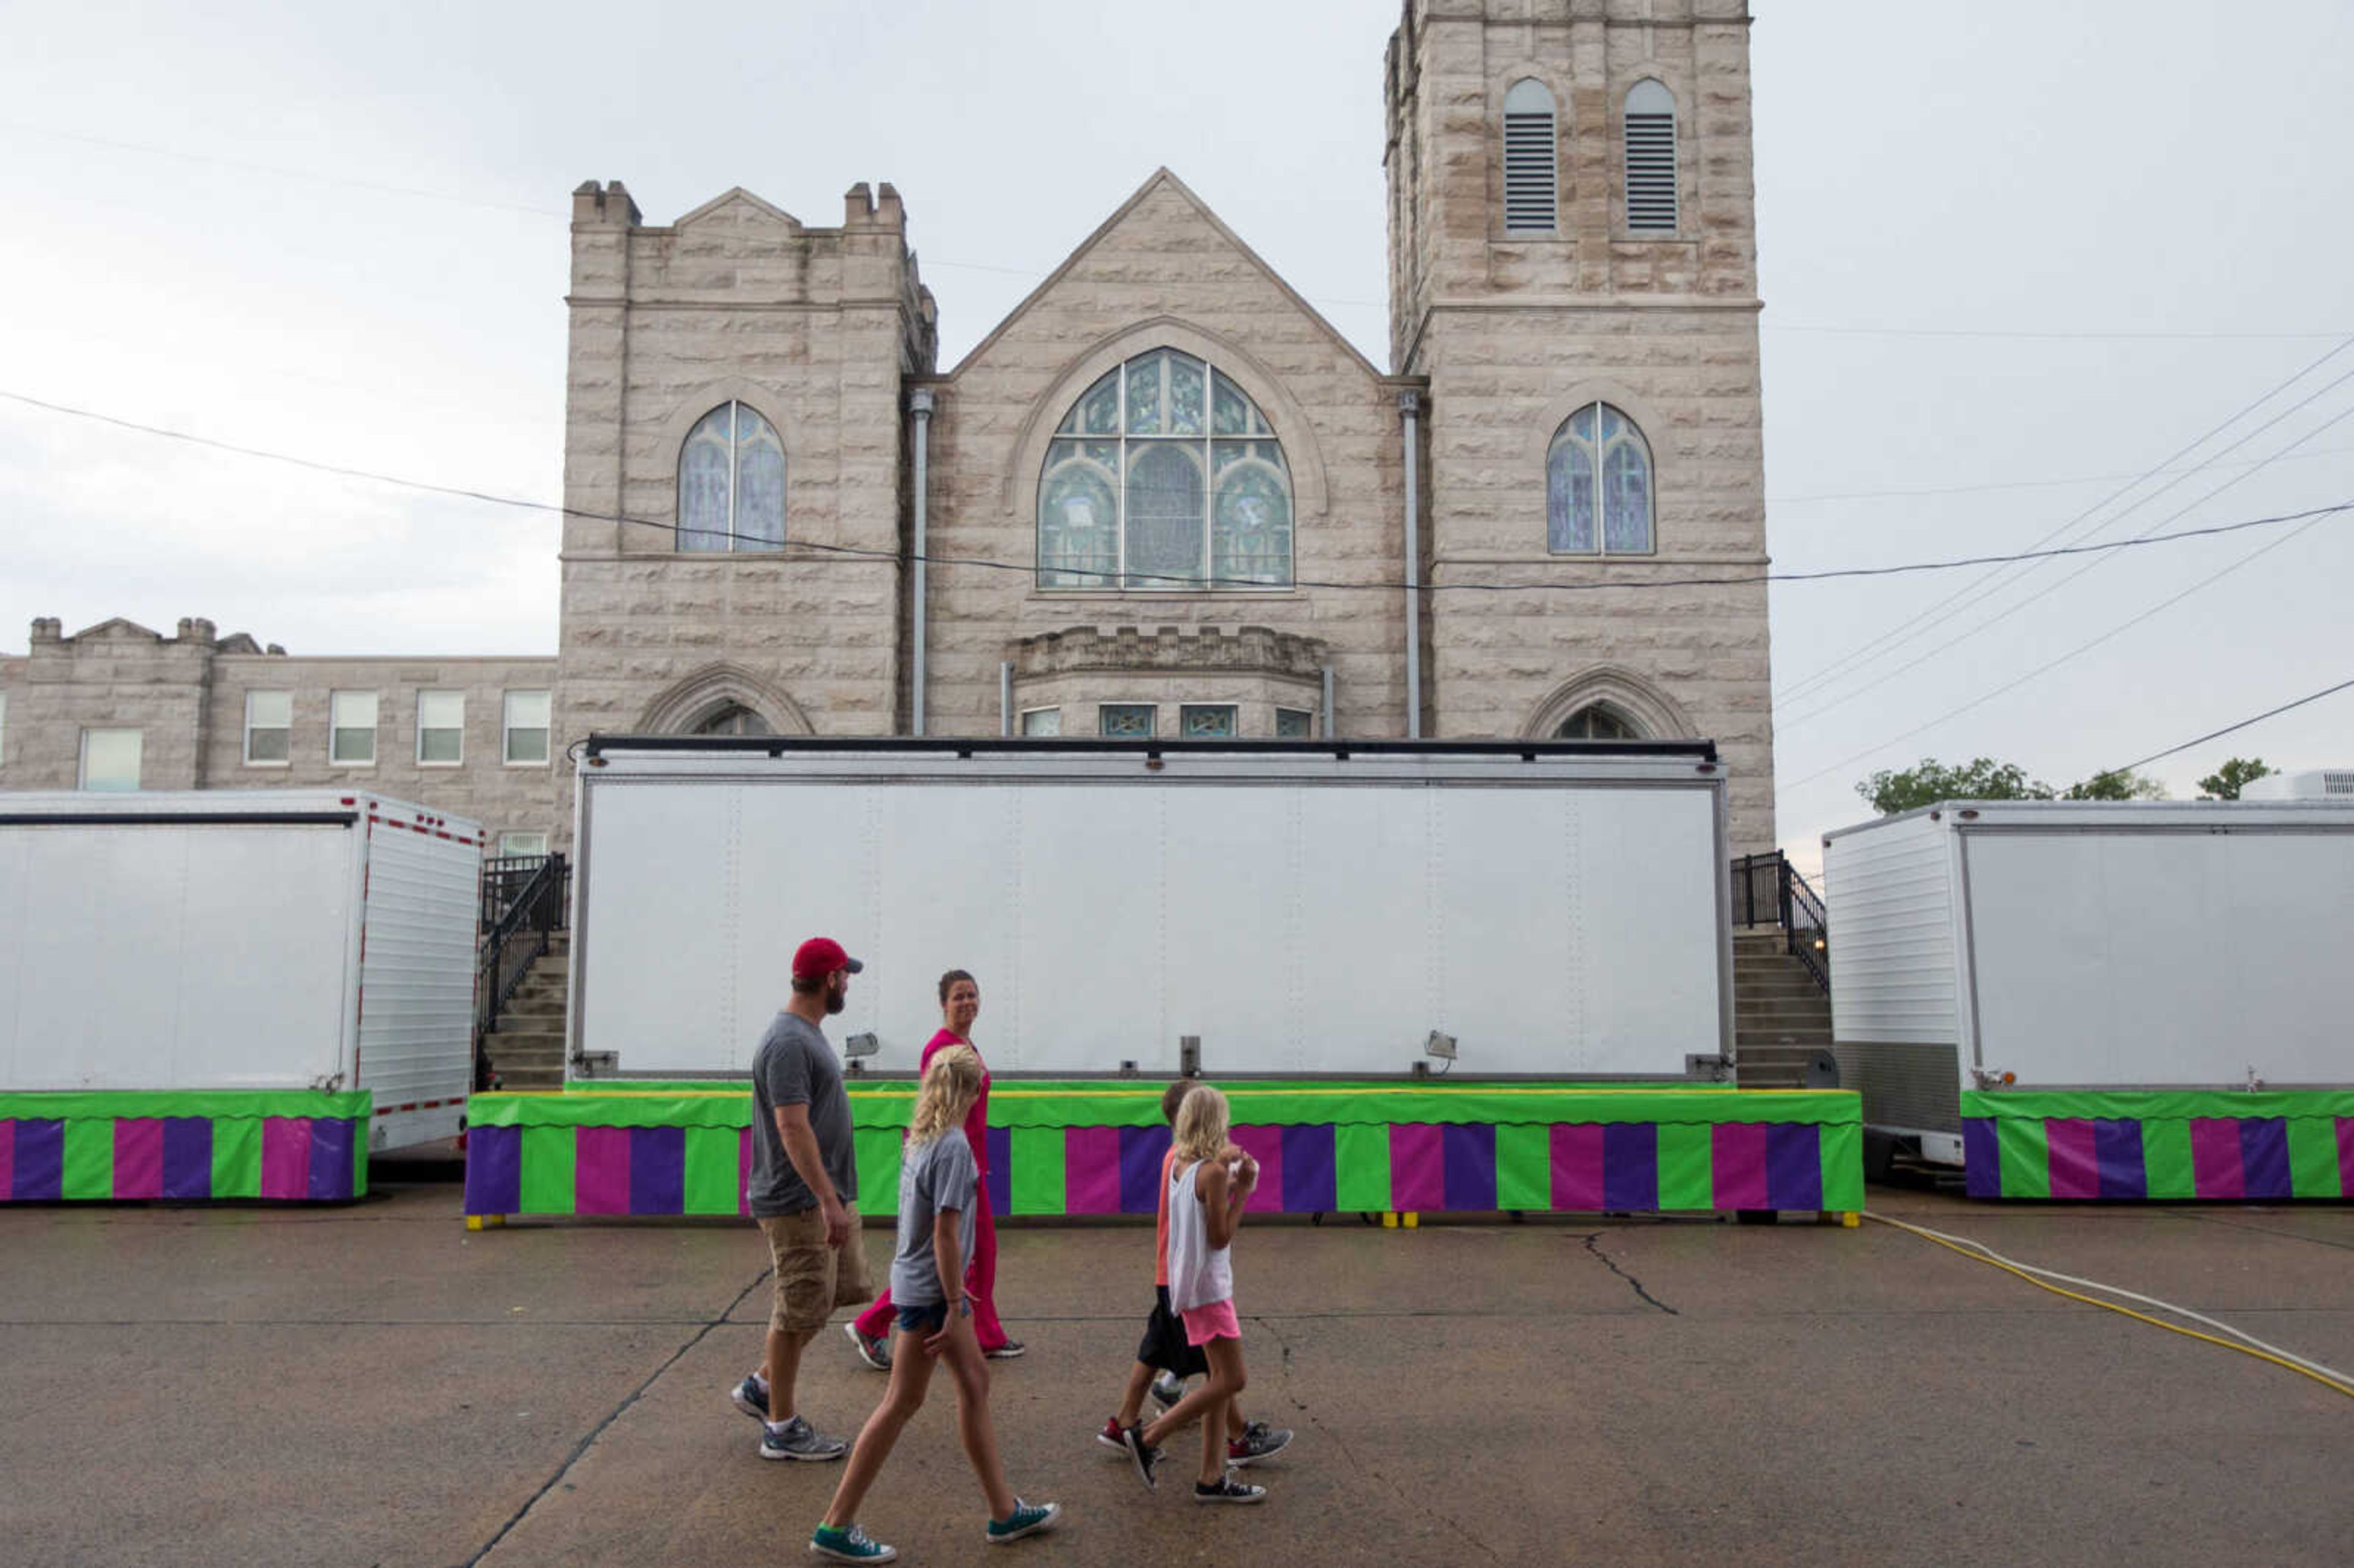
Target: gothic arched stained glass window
{"points": [[731, 483], [1164, 475], [1598, 485]]}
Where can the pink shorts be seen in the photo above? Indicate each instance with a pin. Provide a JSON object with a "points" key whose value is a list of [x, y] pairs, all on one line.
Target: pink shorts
{"points": [[1215, 1321]]}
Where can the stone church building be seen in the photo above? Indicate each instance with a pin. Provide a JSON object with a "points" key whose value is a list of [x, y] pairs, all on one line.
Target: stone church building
{"points": [[1163, 497]]}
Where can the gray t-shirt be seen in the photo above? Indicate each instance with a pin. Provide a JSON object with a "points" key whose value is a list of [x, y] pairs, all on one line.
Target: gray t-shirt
{"points": [[794, 1065], [933, 1177]]}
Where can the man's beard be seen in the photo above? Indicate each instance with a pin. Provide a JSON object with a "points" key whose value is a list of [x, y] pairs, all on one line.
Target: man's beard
{"points": [[837, 996]]}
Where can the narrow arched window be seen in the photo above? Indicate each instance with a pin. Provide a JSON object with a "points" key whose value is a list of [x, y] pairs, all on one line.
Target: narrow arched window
{"points": [[1598, 485], [1651, 134], [1529, 158], [1164, 475], [1598, 721], [731, 718], [731, 483]]}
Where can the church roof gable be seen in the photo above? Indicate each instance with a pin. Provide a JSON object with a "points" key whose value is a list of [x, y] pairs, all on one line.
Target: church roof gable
{"points": [[737, 197]]}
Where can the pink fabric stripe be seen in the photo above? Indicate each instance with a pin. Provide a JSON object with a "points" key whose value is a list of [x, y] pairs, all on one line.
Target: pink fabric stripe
{"points": [[1263, 1144], [2344, 1158], [744, 1174], [601, 1171], [286, 1157], [8, 1158], [139, 1157], [1417, 1167], [2216, 1170], [1091, 1171], [2071, 1156], [1578, 1166], [1738, 1152]]}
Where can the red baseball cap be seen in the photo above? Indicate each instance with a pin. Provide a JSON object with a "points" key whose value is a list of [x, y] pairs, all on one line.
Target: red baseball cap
{"points": [[821, 956]]}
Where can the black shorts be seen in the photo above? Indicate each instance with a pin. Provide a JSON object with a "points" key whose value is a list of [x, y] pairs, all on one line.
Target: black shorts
{"points": [[1163, 1345]]}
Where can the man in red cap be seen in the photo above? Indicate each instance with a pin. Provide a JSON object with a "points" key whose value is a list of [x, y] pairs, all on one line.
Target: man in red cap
{"points": [[804, 1194]]}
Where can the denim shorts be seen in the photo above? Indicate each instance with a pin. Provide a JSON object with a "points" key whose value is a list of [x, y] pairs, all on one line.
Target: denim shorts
{"points": [[923, 1319]]}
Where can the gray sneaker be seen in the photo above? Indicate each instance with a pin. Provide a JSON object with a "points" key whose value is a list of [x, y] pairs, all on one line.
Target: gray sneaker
{"points": [[1167, 1390], [797, 1439], [1257, 1442]]}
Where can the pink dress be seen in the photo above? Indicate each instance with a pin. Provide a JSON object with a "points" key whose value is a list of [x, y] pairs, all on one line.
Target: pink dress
{"points": [[980, 1269]]}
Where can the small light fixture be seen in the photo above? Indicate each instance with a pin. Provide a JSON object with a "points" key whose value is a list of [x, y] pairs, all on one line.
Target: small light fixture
{"points": [[1440, 1043], [865, 1044]]}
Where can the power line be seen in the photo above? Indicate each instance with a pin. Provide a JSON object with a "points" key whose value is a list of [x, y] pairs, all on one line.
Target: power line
{"points": [[2231, 729], [2308, 518], [2039, 484], [2068, 336]]}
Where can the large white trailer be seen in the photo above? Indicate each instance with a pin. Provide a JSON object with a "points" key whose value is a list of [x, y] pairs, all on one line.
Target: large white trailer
{"points": [[2083, 946], [1556, 908], [241, 939]]}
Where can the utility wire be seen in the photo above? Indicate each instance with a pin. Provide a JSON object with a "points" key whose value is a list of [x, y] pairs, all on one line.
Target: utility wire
{"points": [[2307, 518], [2232, 728], [2039, 484]]}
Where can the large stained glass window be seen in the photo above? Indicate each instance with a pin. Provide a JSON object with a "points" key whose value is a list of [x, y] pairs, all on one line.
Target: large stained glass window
{"points": [[731, 483], [1164, 475], [1598, 485]]}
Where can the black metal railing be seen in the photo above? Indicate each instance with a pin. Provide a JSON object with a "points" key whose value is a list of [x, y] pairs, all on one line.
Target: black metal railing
{"points": [[1767, 890], [525, 900]]}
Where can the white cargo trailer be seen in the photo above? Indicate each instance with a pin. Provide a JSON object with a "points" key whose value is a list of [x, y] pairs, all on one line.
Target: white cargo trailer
{"points": [[2069, 946], [253, 939], [1556, 908]]}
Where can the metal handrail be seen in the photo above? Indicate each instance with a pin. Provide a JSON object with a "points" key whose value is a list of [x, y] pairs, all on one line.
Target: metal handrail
{"points": [[524, 902], [1767, 890]]}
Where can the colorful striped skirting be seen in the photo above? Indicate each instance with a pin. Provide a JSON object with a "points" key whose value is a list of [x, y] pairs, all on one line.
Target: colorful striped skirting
{"points": [[89, 1145], [1096, 1148], [2123, 1146]]}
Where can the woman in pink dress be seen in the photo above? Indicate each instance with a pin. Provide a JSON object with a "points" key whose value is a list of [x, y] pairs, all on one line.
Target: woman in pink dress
{"points": [[870, 1329]]}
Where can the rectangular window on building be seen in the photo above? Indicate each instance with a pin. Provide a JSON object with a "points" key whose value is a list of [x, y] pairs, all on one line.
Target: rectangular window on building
{"points": [[513, 844], [268, 728], [1125, 720], [1042, 721], [1294, 723], [110, 758], [1205, 721], [3, 729], [526, 730], [351, 727], [441, 728]]}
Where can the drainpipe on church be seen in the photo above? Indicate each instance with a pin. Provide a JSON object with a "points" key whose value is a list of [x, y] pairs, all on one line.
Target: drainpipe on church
{"points": [[1410, 405], [920, 404]]}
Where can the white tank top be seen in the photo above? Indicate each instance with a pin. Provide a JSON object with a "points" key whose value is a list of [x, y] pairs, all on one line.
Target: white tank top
{"points": [[1199, 1274]]}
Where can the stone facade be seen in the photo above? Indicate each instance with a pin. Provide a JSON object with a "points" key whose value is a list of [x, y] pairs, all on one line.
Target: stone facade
{"points": [[1499, 335]]}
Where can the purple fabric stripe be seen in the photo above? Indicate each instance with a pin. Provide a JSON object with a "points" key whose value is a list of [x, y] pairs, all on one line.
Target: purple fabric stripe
{"points": [[601, 1170], [744, 1174], [187, 1157], [1576, 1165], [1630, 1165], [1091, 1171], [494, 1169], [657, 1170], [138, 1157], [1312, 1176], [1417, 1167], [2264, 1154], [1263, 1144], [1793, 1166], [1471, 1165], [1001, 1170], [330, 1175], [2215, 1168], [2117, 1145], [2345, 1156], [2068, 1153], [1141, 1151], [39, 1165], [285, 1157], [1737, 1165], [1981, 1162], [7, 1160]]}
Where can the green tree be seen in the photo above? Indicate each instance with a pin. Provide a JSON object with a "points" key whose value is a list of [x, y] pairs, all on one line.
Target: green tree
{"points": [[2226, 782], [2125, 784], [1982, 778]]}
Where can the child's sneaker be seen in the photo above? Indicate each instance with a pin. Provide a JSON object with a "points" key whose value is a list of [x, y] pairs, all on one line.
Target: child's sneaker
{"points": [[1145, 1454], [1027, 1519], [1012, 1350], [851, 1545], [1167, 1390], [751, 1398], [1228, 1488], [797, 1439], [1113, 1437], [1257, 1442], [874, 1349]]}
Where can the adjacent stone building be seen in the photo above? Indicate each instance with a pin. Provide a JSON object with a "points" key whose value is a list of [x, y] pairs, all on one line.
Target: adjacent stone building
{"points": [[1163, 497]]}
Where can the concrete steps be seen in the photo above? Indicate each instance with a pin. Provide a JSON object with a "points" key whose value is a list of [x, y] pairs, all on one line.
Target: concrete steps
{"points": [[1781, 1019], [526, 1049]]}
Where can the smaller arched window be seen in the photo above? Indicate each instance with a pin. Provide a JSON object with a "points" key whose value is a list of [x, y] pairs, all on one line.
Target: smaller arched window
{"points": [[1529, 158], [1598, 485], [1598, 721], [732, 718], [731, 483], [1650, 159]]}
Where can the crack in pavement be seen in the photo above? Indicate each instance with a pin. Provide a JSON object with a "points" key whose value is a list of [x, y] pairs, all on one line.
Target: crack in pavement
{"points": [[1594, 1245], [611, 1415]]}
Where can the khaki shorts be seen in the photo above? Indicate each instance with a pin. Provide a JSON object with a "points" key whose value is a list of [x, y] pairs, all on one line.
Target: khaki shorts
{"points": [[813, 1278]]}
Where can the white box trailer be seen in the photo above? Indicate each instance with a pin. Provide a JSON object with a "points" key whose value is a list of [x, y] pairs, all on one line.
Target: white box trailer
{"points": [[2062, 945], [241, 939], [1299, 909]]}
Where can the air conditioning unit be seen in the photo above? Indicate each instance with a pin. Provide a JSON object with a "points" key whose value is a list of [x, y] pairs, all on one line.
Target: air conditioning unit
{"points": [[2313, 784]]}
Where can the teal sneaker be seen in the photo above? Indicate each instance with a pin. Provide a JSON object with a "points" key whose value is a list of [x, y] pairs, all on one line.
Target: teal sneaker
{"points": [[1027, 1519], [851, 1545]]}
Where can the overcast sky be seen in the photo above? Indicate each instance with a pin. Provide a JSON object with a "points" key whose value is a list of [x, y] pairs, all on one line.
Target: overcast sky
{"points": [[2015, 256]]}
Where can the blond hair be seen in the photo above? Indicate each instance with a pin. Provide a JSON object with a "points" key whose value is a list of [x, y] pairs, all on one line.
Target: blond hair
{"points": [[951, 1083], [1202, 1118]]}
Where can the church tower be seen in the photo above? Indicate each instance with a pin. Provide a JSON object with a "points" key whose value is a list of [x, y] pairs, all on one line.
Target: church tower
{"points": [[1572, 271]]}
